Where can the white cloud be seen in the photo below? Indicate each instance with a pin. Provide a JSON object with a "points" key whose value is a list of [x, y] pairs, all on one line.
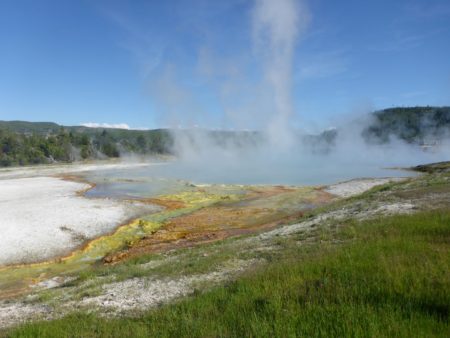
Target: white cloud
{"points": [[401, 41], [105, 125], [426, 10], [324, 65], [414, 94]]}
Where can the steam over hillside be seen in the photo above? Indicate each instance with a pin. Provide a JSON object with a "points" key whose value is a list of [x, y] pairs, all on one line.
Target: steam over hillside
{"points": [[418, 125], [418, 128]]}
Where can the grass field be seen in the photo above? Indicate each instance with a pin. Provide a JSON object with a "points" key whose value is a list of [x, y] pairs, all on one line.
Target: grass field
{"points": [[380, 278]]}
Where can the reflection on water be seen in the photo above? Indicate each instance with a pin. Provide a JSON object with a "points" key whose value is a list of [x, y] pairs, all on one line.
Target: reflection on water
{"points": [[125, 185]]}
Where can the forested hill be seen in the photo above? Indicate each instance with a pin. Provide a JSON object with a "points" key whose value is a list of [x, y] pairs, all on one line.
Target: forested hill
{"points": [[418, 125], [25, 143], [42, 128]]}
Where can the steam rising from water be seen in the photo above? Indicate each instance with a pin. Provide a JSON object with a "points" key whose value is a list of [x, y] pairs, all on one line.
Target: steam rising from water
{"points": [[204, 160], [276, 28], [277, 154]]}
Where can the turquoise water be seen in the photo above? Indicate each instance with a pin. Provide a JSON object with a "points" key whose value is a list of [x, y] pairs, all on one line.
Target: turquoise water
{"points": [[173, 177], [132, 183]]}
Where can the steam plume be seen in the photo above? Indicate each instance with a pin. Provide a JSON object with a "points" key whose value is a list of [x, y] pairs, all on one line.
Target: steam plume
{"points": [[276, 29], [277, 154]]}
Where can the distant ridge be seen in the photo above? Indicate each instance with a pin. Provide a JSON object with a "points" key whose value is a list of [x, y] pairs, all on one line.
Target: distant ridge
{"points": [[23, 143], [30, 127], [419, 125]]}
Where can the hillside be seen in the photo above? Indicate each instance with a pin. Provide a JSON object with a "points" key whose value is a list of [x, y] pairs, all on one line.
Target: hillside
{"points": [[24, 127], [24, 143], [418, 125]]}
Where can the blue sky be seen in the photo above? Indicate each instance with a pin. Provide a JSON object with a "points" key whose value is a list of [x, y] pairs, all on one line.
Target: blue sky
{"points": [[158, 63]]}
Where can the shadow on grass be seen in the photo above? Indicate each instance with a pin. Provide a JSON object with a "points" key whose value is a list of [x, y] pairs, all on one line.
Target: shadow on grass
{"points": [[392, 279]]}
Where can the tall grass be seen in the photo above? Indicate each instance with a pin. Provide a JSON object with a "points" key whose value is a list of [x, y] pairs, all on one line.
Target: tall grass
{"points": [[390, 278]]}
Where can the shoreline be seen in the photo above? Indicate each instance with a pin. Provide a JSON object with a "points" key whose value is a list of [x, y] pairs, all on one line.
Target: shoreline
{"points": [[59, 217], [341, 189]]}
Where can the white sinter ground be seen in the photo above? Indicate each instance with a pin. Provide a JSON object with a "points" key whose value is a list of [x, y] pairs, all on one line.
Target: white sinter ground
{"points": [[43, 217], [53, 169], [358, 186]]}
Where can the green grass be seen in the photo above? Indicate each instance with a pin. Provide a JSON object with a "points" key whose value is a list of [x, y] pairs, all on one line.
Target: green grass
{"points": [[433, 167], [388, 278]]}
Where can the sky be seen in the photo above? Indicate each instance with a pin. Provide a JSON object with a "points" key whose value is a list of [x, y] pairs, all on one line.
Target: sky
{"points": [[149, 64]]}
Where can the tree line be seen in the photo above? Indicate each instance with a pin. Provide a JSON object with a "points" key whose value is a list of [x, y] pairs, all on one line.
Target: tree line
{"points": [[68, 145], [26, 143], [417, 125]]}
